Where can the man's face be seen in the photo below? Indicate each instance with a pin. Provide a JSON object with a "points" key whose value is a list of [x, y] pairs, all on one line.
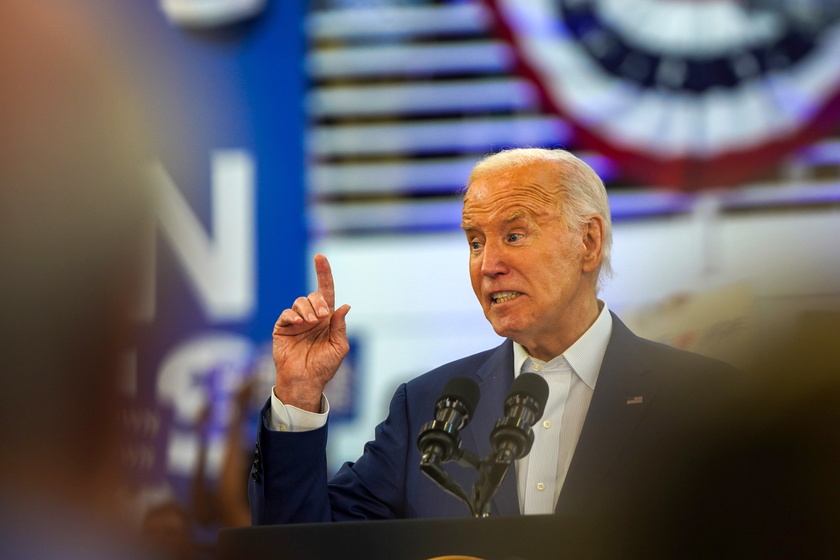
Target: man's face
{"points": [[532, 275]]}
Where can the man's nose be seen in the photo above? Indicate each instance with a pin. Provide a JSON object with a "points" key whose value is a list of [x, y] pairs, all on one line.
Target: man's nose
{"points": [[493, 260]]}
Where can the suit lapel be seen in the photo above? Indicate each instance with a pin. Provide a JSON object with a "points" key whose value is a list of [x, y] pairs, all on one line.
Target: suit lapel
{"points": [[494, 380], [621, 397], [609, 421]]}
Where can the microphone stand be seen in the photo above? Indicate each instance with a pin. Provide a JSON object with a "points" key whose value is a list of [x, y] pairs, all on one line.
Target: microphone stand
{"points": [[491, 472], [430, 466]]}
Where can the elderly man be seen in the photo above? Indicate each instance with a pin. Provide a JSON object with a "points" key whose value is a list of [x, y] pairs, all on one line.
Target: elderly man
{"points": [[537, 224]]}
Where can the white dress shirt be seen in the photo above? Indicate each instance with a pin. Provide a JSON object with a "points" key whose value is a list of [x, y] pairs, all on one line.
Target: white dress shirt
{"points": [[571, 380]]}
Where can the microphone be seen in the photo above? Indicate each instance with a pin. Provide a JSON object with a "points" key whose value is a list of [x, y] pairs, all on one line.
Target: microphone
{"points": [[439, 440], [512, 437]]}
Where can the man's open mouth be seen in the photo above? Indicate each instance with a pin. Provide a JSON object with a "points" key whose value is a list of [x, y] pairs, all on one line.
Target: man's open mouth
{"points": [[501, 297]]}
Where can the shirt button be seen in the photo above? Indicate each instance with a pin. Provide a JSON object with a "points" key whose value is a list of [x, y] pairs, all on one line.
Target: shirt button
{"points": [[282, 428], [547, 424], [537, 367], [540, 486]]}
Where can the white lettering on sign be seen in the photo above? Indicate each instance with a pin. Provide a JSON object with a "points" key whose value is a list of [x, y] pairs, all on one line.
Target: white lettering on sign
{"points": [[183, 381], [220, 268]]}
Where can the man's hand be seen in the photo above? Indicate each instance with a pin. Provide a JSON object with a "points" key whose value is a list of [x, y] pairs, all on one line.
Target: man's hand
{"points": [[309, 343]]}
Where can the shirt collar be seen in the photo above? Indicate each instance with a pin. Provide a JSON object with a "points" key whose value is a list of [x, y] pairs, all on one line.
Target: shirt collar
{"points": [[585, 355]]}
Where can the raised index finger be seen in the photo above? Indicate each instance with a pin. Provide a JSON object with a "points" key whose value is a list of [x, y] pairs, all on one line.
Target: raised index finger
{"points": [[325, 280]]}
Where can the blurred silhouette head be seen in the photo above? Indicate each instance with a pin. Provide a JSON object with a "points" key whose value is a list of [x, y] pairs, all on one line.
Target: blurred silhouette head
{"points": [[71, 209], [761, 478]]}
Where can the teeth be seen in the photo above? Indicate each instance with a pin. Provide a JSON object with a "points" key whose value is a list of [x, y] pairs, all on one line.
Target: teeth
{"points": [[500, 297]]}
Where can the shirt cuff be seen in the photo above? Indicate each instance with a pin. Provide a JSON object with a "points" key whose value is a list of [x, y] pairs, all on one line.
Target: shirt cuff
{"points": [[287, 418]]}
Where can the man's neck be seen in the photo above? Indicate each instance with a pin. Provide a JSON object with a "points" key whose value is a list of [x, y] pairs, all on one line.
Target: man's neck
{"points": [[563, 338]]}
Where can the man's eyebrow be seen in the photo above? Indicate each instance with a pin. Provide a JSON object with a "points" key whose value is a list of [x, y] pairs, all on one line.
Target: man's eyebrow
{"points": [[516, 215], [467, 223]]}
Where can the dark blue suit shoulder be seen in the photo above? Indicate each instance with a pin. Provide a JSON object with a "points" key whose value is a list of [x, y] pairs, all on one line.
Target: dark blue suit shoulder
{"points": [[435, 379]]}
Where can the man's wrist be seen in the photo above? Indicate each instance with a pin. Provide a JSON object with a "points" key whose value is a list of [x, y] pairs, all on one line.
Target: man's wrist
{"points": [[283, 418], [308, 399]]}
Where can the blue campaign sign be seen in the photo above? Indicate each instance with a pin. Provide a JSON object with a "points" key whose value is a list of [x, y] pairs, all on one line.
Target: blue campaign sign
{"points": [[223, 98]]}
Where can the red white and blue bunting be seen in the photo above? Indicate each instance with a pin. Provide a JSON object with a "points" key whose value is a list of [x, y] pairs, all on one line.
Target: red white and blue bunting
{"points": [[685, 94]]}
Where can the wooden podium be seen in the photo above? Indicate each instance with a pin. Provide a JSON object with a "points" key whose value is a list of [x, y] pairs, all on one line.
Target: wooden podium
{"points": [[536, 537]]}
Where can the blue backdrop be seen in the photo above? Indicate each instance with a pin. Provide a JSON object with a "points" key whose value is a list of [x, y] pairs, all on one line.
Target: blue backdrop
{"points": [[227, 250]]}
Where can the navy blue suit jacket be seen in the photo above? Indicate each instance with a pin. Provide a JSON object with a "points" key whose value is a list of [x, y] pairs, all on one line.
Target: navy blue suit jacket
{"points": [[623, 458]]}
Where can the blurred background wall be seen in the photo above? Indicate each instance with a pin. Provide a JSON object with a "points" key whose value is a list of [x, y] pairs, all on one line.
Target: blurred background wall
{"points": [[349, 127]]}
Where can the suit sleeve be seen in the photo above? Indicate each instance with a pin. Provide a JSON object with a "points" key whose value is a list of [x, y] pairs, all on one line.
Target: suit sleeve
{"points": [[288, 477], [288, 482], [374, 487]]}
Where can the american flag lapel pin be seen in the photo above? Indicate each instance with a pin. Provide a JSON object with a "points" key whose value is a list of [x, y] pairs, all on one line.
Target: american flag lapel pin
{"points": [[635, 400]]}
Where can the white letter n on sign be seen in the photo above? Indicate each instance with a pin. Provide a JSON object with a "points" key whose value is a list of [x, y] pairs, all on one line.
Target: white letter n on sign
{"points": [[221, 269]]}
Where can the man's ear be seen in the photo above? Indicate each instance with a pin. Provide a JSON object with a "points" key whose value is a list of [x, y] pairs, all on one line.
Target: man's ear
{"points": [[593, 242]]}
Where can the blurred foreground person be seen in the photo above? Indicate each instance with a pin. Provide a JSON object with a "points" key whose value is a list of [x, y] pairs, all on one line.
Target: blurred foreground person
{"points": [[765, 484], [71, 210]]}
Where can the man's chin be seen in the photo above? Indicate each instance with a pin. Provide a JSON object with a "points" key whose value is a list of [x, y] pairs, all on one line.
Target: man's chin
{"points": [[505, 329]]}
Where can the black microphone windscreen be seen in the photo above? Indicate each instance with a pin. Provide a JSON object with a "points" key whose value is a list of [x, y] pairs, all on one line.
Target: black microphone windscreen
{"points": [[463, 389], [531, 385]]}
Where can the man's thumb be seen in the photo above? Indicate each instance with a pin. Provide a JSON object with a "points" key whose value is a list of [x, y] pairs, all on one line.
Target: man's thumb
{"points": [[337, 321]]}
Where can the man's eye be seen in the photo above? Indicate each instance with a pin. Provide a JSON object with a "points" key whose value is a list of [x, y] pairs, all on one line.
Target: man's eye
{"points": [[475, 245], [513, 237]]}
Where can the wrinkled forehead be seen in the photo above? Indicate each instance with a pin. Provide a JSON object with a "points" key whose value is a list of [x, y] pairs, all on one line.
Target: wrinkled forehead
{"points": [[511, 193]]}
